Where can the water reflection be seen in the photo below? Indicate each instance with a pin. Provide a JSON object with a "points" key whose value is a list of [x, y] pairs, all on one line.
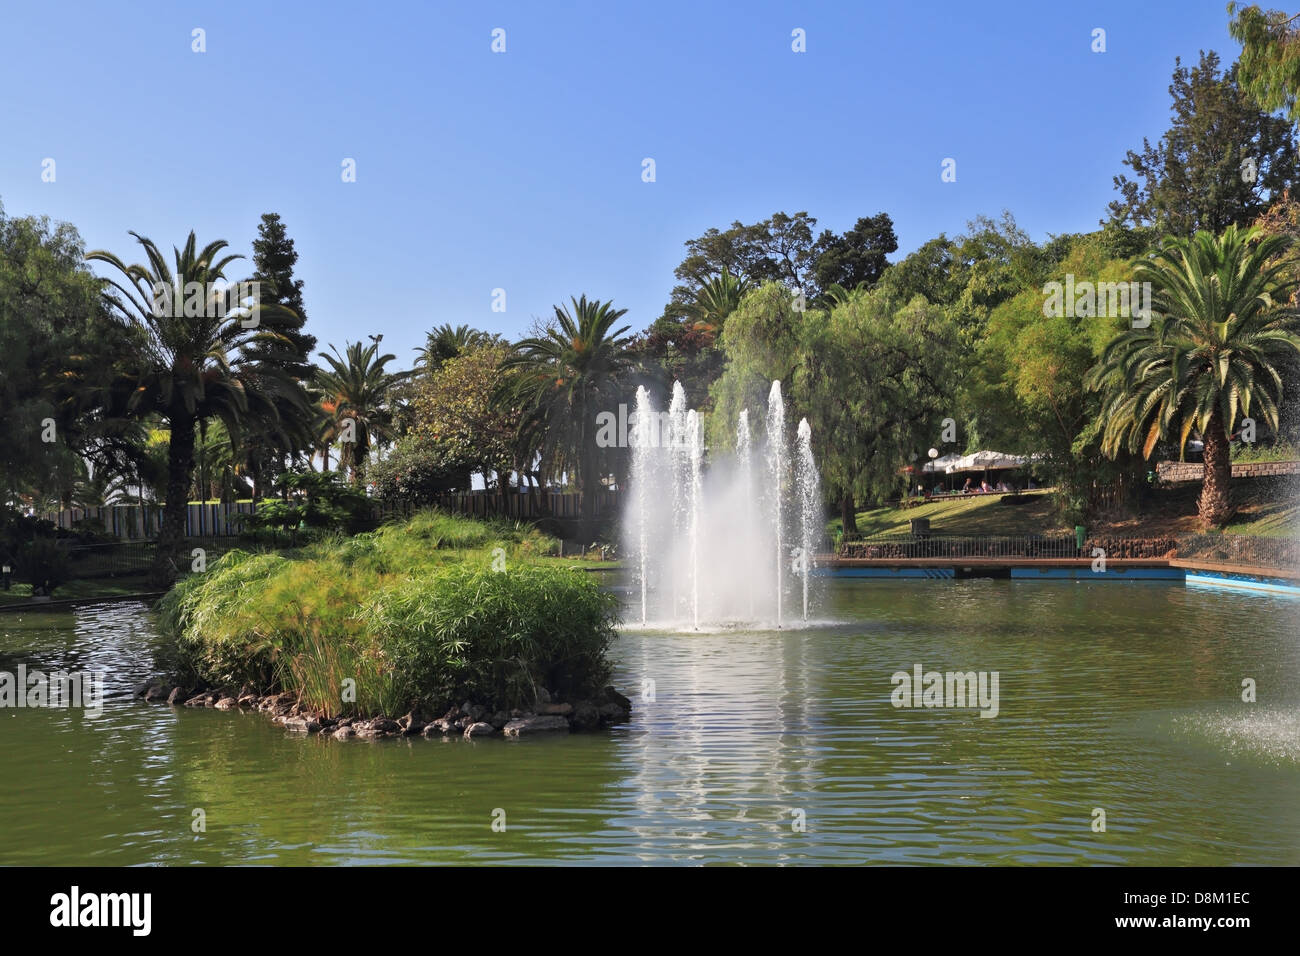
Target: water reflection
{"points": [[1125, 697]]}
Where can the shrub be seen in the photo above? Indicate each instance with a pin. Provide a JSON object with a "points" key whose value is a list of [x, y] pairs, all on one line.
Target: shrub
{"points": [[417, 471], [314, 501], [495, 637], [413, 613], [43, 564]]}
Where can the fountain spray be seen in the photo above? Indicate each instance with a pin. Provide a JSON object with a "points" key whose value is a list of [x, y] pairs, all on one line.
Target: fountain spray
{"points": [[776, 466]]}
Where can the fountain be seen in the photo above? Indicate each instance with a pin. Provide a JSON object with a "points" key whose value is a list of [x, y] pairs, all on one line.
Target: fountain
{"points": [[810, 517], [708, 547]]}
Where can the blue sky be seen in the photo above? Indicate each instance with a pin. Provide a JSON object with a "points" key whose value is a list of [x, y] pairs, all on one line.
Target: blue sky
{"points": [[522, 170]]}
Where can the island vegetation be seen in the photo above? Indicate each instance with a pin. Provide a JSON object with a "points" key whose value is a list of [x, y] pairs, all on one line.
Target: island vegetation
{"points": [[412, 619]]}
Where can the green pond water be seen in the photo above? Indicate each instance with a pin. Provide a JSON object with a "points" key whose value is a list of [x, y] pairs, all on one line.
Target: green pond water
{"points": [[758, 748]]}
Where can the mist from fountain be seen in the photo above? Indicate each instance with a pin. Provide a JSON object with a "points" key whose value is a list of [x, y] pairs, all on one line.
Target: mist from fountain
{"points": [[709, 548], [776, 459], [806, 482]]}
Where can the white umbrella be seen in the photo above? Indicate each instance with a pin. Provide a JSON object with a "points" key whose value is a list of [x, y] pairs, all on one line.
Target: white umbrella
{"points": [[941, 464], [987, 461]]}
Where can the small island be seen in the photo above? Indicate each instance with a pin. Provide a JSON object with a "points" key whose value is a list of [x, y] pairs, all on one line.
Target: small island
{"points": [[436, 625]]}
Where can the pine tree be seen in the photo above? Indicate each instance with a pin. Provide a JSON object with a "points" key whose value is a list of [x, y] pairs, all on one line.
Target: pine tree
{"points": [[274, 258]]}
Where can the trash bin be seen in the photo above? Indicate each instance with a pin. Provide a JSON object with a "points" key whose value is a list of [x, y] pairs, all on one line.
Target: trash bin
{"points": [[920, 527], [1080, 535]]}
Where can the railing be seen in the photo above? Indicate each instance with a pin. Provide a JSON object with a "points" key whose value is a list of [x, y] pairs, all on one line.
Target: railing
{"points": [[1029, 546], [213, 519], [121, 559], [1254, 550], [962, 546], [515, 504], [134, 523]]}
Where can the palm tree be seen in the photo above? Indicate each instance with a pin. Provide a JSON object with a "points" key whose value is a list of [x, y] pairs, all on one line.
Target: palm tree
{"points": [[1212, 351], [189, 368], [356, 395], [560, 380], [715, 300], [219, 470], [445, 342], [836, 295], [98, 487]]}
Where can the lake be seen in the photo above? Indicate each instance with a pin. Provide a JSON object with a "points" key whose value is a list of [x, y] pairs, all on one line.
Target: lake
{"points": [[757, 748]]}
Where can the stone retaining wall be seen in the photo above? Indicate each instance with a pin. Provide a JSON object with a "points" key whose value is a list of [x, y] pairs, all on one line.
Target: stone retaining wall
{"points": [[1192, 471], [1131, 547]]}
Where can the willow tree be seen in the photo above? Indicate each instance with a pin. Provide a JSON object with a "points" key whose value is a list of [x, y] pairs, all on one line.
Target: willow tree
{"points": [[874, 376], [1210, 356]]}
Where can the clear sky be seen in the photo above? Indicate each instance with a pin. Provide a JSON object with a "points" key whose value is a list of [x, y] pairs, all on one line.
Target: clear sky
{"points": [[523, 170]]}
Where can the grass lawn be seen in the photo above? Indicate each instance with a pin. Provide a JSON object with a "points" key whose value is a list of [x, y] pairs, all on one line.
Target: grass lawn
{"points": [[1263, 509], [1274, 519], [78, 590], [973, 514]]}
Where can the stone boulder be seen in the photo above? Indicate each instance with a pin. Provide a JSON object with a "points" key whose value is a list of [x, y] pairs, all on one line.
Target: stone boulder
{"points": [[411, 724], [540, 724], [611, 696], [585, 716]]}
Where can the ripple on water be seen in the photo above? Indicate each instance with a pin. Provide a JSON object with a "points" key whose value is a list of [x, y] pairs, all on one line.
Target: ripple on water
{"points": [[1270, 735], [1112, 696]]}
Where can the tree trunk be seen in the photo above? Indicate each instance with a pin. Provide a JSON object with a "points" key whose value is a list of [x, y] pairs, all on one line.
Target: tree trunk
{"points": [[1216, 485], [590, 485], [848, 514], [180, 469], [541, 502]]}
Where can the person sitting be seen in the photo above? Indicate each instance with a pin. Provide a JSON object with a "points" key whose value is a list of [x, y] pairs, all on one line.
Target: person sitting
{"points": [[967, 488], [985, 487], [1004, 487]]}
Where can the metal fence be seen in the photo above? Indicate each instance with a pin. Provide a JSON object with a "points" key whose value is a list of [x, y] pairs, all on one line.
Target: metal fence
{"points": [[889, 546], [214, 519], [134, 523], [515, 504], [127, 558]]}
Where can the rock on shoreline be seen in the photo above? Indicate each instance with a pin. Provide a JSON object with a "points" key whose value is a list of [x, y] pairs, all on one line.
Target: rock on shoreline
{"points": [[469, 720]]}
